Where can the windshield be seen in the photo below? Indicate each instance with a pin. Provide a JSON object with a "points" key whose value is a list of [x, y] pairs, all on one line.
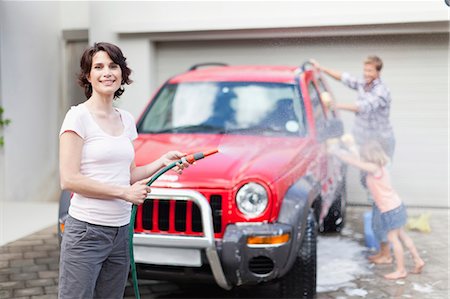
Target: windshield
{"points": [[226, 107]]}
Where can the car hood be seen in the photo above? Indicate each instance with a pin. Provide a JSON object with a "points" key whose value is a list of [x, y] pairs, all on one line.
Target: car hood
{"points": [[240, 158]]}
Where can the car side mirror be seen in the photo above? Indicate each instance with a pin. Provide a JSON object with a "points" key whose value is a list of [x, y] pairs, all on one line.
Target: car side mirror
{"points": [[333, 128]]}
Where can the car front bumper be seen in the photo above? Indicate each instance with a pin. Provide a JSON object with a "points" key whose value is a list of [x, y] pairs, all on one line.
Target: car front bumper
{"points": [[245, 263], [230, 261]]}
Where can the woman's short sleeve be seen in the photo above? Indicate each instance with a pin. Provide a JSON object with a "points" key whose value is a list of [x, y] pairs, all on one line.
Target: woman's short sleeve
{"points": [[73, 122], [133, 132], [130, 124]]}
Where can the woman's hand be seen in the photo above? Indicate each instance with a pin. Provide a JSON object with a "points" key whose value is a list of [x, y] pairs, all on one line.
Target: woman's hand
{"points": [[137, 192], [172, 156]]}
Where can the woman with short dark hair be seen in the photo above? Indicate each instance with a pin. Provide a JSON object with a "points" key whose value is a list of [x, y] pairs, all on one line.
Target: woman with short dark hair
{"points": [[97, 165]]}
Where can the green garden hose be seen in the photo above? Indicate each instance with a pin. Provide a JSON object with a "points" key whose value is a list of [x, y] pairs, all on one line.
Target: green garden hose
{"points": [[131, 231], [190, 159]]}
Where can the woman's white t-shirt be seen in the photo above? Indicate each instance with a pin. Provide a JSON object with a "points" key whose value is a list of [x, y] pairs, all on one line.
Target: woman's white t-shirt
{"points": [[105, 158]]}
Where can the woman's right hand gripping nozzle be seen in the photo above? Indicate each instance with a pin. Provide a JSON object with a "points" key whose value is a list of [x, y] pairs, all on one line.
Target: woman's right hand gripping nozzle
{"points": [[137, 193]]}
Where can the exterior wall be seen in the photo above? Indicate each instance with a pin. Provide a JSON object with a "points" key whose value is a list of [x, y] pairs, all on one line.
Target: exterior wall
{"points": [[168, 16], [144, 23], [31, 48], [191, 23], [418, 84], [30, 89], [73, 15], [147, 22]]}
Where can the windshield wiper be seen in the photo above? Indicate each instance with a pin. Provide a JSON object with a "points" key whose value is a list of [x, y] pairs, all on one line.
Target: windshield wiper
{"points": [[259, 131], [201, 128]]}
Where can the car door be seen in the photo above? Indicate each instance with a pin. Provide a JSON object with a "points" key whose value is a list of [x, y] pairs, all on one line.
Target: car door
{"points": [[332, 166], [317, 124], [320, 121]]}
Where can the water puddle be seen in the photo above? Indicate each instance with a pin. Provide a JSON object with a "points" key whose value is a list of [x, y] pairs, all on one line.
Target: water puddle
{"points": [[339, 262]]}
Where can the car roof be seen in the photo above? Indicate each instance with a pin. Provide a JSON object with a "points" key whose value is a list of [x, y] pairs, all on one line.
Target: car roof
{"points": [[240, 73]]}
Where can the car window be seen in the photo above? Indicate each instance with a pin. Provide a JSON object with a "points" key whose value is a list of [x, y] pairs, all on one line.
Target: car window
{"points": [[319, 116], [160, 117], [194, 103], [321, 85], [228, 107]]}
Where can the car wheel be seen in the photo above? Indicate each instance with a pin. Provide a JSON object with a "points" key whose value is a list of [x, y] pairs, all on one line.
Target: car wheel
{"points": [[335, 220], [300, 281]]}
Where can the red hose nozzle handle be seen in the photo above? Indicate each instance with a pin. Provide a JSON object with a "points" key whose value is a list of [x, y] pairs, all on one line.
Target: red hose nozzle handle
{"points": [[211, 152], [200, 155]]}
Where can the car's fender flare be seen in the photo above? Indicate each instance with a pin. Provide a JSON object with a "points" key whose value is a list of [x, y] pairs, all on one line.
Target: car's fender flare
{"points": [[64, 203], [294, 211]]}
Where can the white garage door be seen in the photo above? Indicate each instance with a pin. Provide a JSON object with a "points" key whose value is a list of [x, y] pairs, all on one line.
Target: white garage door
{"points": [[416, 70]]}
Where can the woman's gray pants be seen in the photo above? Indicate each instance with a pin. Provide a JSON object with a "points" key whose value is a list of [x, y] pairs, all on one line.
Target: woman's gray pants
{"points": [[94, 261]]}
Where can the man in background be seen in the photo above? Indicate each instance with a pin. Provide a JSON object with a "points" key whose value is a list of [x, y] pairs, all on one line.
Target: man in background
{"points": [[372, 111]]}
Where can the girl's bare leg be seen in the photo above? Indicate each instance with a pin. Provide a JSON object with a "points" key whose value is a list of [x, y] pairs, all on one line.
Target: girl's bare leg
{"points": [[383, 256], [400, 272], [418, 262]]}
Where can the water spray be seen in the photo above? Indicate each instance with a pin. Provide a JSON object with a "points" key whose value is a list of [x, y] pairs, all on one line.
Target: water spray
{"points": [[190, 159]]}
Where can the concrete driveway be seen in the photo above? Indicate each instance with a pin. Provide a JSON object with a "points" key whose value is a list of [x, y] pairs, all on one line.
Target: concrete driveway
{"points": [[29, 267]]}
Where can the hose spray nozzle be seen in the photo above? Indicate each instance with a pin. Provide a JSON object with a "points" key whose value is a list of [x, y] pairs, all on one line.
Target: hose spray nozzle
{"points": [[197, 156]]}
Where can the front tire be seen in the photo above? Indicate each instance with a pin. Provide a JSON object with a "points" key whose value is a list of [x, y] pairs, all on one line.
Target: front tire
{"points": [[335, 219], [301, 280]]}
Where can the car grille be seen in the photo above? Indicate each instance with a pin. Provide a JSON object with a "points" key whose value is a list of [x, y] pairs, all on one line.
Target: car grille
{"points": [[177, 216]]}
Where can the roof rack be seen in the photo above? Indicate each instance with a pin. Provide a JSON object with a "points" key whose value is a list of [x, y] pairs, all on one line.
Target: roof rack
{"points": [[196, 66]]}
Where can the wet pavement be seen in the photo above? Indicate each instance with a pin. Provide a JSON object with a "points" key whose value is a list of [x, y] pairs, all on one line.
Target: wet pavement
{"points": [[29, 268]]}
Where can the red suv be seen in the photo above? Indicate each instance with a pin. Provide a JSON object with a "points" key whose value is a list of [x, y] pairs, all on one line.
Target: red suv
{"points": [[249, 214]]}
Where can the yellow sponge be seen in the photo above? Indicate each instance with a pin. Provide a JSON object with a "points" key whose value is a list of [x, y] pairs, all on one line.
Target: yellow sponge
{"points": [[420, 223], [332, 141], [348, 140], [326, 99]]}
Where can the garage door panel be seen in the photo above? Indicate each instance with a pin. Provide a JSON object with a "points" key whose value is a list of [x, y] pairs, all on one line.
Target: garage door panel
{"points": [[416, 71]]}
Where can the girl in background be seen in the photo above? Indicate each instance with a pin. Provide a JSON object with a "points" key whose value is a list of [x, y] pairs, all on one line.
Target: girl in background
{"points": [[373, 160]]}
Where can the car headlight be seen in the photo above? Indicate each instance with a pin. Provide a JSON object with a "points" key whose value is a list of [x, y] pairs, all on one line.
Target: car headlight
{"points": [[252, 199]]}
